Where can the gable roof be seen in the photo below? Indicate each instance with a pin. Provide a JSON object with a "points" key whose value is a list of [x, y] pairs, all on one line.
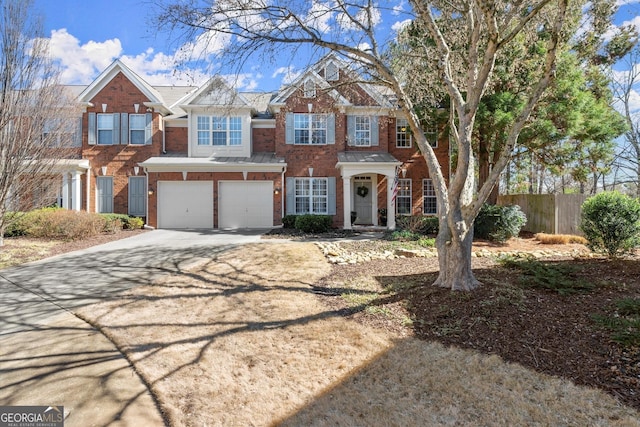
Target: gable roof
{"points": [[109, 73], [313, 73], [216, 92], [284, 93]]}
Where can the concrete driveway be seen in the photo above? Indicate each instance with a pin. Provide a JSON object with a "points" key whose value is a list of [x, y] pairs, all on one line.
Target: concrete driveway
{"points": [[49, 356]]}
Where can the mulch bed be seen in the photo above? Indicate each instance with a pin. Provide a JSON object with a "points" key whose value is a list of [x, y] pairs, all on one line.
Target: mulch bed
{"points": [[537, 328]]}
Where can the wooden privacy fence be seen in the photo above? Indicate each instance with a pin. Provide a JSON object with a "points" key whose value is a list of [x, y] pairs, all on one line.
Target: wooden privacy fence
{"points": [[548, 213]]}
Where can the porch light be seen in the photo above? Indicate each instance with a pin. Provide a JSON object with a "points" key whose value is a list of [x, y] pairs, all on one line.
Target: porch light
{"points": [[276, 190], [151, 191]]}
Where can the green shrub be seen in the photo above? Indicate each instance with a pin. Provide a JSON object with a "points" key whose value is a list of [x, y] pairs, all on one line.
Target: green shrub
{"points": [[56, 223], [624, 323], [499, 223], [289, 221], [403, 235], [611, 223], [419, 224], [117, 221], [554, 277], [15, 226], [313, 223]]}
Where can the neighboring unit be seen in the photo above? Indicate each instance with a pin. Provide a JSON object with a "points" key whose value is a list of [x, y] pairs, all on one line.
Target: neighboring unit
{"points": [[212, 157]]}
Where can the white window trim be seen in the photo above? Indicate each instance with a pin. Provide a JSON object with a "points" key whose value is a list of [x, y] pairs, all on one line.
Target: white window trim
{"points": [[331, 77], [428, 196], [310, 129], [211, 130], [309, 89], [143, 129], [98, 128], [405, 194], [311, 195], [431, 133], [407, 134], [365, 134]]}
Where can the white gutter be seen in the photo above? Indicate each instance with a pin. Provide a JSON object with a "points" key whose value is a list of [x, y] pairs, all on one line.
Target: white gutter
{"points": [[164, 136], [283, 192], [88, 201], [146, 217]]}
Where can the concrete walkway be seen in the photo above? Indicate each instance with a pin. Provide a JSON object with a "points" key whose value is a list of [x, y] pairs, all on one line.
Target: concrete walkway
{"points": [[49, 356]]}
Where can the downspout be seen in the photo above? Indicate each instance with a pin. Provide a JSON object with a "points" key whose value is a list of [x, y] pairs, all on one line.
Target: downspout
{"points": [[164, 138], [146, 217], [88, 190], [284, 191]]}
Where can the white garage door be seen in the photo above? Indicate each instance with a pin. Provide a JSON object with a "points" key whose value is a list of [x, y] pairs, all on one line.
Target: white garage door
{"points": [[185, 204], [245, 204]]}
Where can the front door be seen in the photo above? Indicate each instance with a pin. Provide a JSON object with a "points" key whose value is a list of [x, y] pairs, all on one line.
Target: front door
{"points": [[363, 195]]}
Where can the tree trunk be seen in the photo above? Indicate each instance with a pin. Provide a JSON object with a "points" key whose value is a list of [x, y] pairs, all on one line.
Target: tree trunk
{"points": [[454, 257]]}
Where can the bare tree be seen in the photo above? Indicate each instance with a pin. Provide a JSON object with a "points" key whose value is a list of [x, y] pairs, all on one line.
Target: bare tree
{"points": [[626, 89], [482, 30], [37, 123]]}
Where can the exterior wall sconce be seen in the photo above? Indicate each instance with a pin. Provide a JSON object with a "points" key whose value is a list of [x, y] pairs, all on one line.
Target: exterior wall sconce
{"points": [[104, 170], [136, 169], [276, 191], [151, 191]]}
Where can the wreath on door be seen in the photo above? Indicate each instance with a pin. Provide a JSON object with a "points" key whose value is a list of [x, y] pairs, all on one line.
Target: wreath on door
{"points": [[362, 191]]}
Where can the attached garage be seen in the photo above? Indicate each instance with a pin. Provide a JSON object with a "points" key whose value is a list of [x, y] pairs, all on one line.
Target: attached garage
{"points": [[245, 204], [185, 204]]}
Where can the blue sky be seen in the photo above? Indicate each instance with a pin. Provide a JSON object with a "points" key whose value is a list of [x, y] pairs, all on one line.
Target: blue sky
{"points": [[86, 36]]}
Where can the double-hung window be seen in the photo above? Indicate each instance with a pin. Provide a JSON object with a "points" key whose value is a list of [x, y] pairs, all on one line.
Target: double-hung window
{"points": [[362, 131], [310, 129], [403, 199], [105, 129], [137, 126], [429, 201], [219, 130], [403, 134], [311, 196], [431, 133]]}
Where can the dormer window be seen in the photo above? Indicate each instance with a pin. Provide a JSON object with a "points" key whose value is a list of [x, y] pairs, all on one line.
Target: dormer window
{"points": [[309, 89], [331, 72]]}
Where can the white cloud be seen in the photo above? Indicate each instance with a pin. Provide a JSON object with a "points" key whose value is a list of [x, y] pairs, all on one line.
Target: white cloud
{"points": [[81, 63], [399, 8], [400, 25], [627, 2], [289, 74], [319, 17]]}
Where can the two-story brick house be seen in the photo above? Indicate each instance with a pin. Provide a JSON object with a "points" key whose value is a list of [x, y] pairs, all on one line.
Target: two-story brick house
{"points": [[211, 157]]}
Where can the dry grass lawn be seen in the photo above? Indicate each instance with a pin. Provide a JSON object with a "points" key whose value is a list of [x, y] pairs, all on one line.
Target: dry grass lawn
{"points": [[242, 340]]}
